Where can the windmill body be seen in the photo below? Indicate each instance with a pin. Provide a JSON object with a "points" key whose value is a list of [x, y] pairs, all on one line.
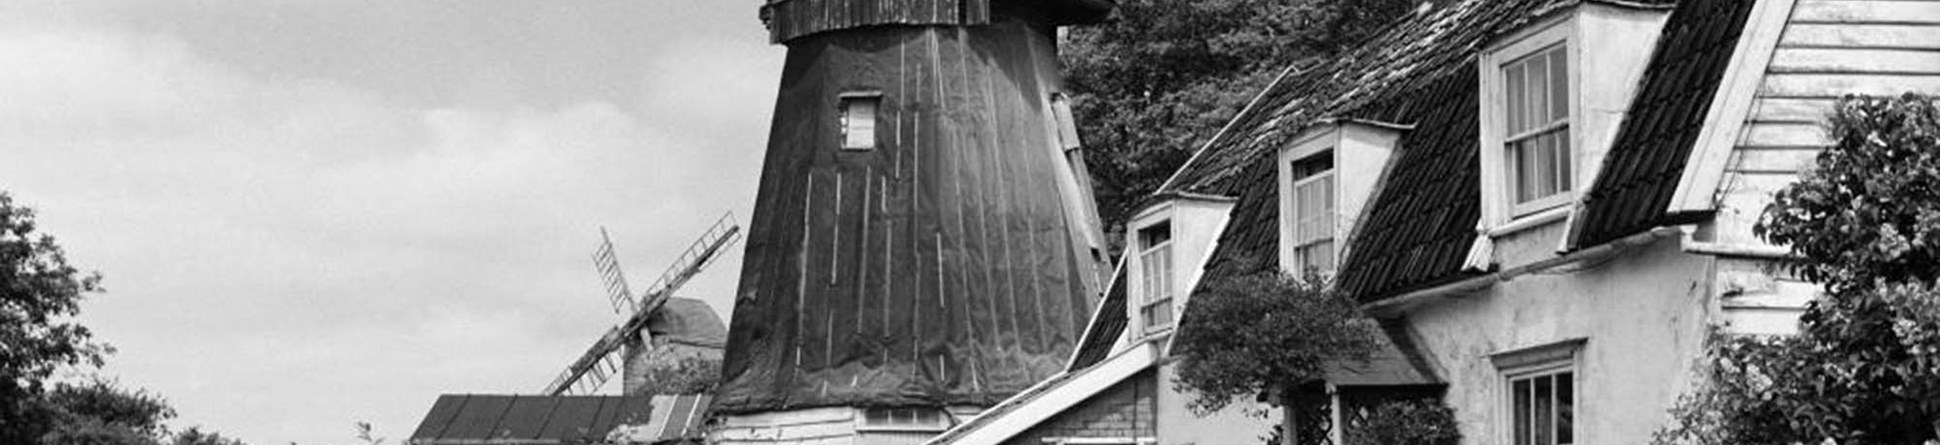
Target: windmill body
{"points": [[924, 243]]}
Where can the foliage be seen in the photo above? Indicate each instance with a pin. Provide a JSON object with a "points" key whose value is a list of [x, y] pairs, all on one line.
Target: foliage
{"points": [[689, 375], [100, 405], [1250, 334], [39, 294], [364, 434], [1406, 422], [1864, 223], [195, 436], [1154, 83]]}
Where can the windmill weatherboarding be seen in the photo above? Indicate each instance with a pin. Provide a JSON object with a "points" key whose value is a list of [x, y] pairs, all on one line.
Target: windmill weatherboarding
{"points": [[605, 358]]}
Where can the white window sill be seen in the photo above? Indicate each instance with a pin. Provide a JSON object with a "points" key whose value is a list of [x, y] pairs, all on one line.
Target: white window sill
{"points": [[1531, 221]]}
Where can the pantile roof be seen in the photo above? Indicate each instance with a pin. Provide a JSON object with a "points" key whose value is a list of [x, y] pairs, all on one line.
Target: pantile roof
{"points": [[472, 419], [1642, 171]]}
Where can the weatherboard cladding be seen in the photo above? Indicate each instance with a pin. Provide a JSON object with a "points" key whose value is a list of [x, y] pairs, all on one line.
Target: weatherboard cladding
{"points": [[1642, 171]]}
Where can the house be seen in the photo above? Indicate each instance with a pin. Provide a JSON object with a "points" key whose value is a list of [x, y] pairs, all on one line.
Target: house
{"points": [[1547, 203]]}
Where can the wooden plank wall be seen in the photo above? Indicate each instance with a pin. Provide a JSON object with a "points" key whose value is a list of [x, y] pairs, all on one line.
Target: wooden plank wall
{"points": [[1829, 48]]}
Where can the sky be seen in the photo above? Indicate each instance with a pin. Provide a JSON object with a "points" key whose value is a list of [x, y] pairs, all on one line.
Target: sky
{"points": [[309, 213]]}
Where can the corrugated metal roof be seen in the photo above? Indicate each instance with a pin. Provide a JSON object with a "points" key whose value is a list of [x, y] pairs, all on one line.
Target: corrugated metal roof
{"points": [[1642, 171], [473, 419]]}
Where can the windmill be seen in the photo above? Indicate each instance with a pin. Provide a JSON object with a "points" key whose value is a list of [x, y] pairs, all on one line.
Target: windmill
{"points": [[607, 357], [923, 241]]}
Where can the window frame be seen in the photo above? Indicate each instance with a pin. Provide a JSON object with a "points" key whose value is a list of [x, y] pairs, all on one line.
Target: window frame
{"points": [[1145, 281], [843, 102], [1300, 265], [940, 423], [1530, 363], [1322, 142], [1498, 182], [1511, 184]]}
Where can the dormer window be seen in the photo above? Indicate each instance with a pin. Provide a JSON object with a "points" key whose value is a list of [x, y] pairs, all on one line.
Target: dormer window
{"points": [[1536, 115], [1155, 275], [1532, 125], [1312, 204], [1326, 175]]}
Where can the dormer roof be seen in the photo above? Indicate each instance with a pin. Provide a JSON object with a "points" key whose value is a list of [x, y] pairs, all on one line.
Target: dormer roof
{"points": [[1642, 171]]}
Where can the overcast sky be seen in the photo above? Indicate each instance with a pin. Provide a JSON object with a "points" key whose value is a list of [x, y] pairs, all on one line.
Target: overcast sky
{"points": [[313, 212]]}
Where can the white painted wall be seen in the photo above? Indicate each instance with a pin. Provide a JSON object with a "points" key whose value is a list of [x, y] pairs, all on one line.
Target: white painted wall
{"points": [[1643, 313], [1240, 423]]}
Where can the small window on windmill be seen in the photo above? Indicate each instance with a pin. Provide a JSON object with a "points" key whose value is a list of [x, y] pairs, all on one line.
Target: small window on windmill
{"points": [[858, 119], [904, 419], [1067, 127]]}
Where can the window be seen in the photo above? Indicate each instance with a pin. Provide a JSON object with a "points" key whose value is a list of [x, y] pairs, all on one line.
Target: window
{"points": [[904, 419], [1539, 394], [1312, 194], [1543, 408], [1536, 136], [1155, 275], [858, 120]]}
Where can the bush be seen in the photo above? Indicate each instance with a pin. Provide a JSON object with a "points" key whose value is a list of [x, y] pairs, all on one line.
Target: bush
{"points": [[1250, 334], [1863, 223], [1406, 422]]}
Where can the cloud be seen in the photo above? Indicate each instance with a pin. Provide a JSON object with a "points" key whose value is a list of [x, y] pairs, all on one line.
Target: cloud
{"points": [[287, 254]]}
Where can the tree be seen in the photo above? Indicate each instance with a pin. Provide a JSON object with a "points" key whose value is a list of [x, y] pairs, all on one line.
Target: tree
{"points": [[40, 293], [1863, 223], [1265, 334], [688, 375], [1162, 76]]}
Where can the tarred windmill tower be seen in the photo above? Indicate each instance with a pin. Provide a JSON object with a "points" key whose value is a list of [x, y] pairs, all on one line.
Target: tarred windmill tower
{"points": [[924, 243]]}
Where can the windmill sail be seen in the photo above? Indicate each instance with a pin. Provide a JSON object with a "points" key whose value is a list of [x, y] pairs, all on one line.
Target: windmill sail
{"points": [[608, 265], [602, 361]]}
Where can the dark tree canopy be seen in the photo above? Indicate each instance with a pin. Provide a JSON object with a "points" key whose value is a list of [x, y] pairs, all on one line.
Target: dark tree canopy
{"points": [[1154, 83], [1251, 334], [40, 293], [1863, 223]]}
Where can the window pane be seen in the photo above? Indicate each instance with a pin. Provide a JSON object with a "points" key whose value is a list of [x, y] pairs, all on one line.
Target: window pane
{"points": [[1545, 410], [1324, 256], [1538, 92], [859, 122], [1520, 412], [1526, 185], [1545, 166], [1558, 85], [1564, 158], [1513, 107], [1565, 408], [1327, 195]]}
